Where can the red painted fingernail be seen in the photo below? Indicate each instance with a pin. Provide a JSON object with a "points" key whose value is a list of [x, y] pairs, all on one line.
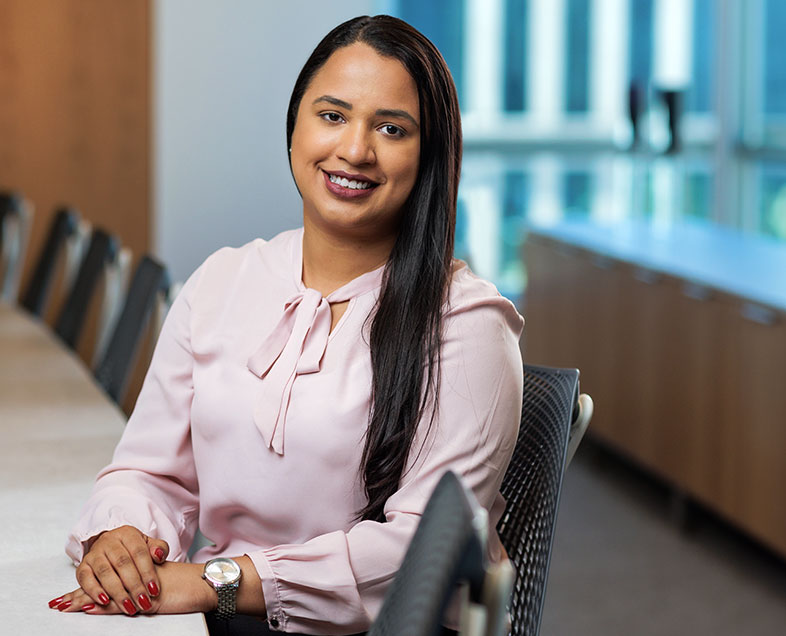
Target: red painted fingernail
{"points": [[159, 554], [153, 588], [88, 607], [55, 601], [63, 606], [129, 607], [103, 599], [144, 602]]}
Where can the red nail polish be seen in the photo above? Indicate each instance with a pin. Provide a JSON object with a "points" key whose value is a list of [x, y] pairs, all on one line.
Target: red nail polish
{"points": [[103, 599], [153, 588], [144, 602], [55, 601], [88, 607], [129, 607], [64, 606], [159, 554]]}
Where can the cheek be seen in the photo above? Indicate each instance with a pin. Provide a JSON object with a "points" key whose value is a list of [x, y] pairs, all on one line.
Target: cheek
{"points": [[407, 169]]}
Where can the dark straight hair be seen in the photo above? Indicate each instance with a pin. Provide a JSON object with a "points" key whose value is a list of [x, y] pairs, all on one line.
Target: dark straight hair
{"points": [[406, 330]]}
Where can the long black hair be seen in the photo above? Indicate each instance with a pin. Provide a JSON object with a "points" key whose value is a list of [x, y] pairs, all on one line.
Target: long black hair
{"points": [[406, 331]]}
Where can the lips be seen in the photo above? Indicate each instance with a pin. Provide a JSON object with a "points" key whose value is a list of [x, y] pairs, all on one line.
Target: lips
{"points": [[348, 186]]}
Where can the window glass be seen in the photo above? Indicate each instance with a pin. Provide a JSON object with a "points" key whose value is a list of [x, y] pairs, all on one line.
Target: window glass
{"points": [[699, 98], [698, 195], [577, 56], [775, 58], [515, 55], [640, 44], [576, 192], [442, 22], [514, 205], [772, 216]]}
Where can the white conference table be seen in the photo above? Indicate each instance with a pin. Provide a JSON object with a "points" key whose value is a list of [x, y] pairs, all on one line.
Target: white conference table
{"points": [[57, 430]]}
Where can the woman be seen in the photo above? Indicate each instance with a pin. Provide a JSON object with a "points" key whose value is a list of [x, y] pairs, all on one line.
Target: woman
{"points": [[307, 393]]}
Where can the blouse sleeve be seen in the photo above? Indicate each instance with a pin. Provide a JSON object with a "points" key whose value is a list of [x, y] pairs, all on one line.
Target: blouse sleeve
{"points": [[151, 483], [335, 583]]}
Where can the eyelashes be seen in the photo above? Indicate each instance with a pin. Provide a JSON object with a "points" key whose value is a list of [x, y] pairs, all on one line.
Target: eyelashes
{"points": [[389, 130]]}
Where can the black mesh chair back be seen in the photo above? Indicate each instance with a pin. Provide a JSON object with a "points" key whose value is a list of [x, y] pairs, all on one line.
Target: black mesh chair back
{"points": [[532, 487], [150, 278], [10, 205], [11, 212], [71, 320], [445, 550], [64, 224]]}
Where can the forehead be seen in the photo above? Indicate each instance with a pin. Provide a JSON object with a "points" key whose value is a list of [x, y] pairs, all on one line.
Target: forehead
{"points": [[359, 75]]}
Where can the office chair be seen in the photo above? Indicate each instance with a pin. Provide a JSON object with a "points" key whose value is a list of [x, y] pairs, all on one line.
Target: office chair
{"points": [[532, 485], [150, 280], [101, 251], [64, 225], [448, 548], [15, 217]]}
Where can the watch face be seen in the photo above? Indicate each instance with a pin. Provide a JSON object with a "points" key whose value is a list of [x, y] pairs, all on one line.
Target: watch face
{"points": [[222, 571]]}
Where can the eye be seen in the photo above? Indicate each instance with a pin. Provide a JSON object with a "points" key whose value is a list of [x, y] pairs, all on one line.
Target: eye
{"points": [[392, 130], [332, 117]]}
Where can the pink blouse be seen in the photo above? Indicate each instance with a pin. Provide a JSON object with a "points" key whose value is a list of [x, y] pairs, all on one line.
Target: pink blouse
{"points": [[250, 426]]}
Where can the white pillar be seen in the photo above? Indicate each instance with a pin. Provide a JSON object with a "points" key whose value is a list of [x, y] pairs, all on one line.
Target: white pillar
{"points": [[609, 57], [483, 59], [546, 61], [672, 64], [546, 202]]}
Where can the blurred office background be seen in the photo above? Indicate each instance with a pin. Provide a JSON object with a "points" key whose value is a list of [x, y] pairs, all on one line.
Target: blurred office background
{"points": [[163, 120]]}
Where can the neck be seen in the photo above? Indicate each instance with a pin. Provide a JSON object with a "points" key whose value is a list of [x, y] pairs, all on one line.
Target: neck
{"points": [[330, 262]]}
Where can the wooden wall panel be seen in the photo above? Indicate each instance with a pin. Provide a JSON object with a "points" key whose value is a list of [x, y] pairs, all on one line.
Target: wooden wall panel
{"points": [[75, 112]]}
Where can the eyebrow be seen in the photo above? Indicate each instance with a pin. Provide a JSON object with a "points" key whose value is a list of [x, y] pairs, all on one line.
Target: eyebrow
{"points": [[382, 112]]}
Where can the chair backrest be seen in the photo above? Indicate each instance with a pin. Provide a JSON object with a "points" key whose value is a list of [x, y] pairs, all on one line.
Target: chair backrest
{"points": [[532, 487], [150, 279], [15, 218], [446, 549], [71, 320], [64, 224]]}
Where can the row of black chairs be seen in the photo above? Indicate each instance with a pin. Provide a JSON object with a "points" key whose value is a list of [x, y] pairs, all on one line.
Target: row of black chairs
{"points": [[149, 285]]}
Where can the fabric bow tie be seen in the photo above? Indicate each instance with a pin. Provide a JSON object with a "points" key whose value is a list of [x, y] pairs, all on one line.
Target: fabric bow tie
{"points": [[296, 347]]}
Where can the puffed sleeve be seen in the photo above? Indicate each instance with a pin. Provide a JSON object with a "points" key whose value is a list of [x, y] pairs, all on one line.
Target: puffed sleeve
{"points": [[335, 583], [151, 483]]}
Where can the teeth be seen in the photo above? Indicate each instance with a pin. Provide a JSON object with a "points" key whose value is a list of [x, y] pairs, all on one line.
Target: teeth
{"points": [[346, 183]]}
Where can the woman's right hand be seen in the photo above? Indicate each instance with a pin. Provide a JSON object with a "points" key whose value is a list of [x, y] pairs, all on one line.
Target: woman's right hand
{"points": [[119, 567]]}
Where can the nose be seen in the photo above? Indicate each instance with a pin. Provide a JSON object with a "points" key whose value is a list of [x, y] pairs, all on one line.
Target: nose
{"points": [[356, 145]]}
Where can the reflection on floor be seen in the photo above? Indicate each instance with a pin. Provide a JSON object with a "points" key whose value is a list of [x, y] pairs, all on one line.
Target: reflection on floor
{"points": [[621, 565]]}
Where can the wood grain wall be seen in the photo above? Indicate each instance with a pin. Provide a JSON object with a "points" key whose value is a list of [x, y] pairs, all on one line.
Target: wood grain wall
{"points": [[75, 112]]}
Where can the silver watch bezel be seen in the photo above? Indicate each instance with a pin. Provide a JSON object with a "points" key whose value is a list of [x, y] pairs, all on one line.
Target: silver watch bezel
{"points": [[216, 583]]}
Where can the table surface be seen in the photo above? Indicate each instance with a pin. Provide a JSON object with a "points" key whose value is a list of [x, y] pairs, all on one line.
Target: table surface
{"points": [[58, 430]]}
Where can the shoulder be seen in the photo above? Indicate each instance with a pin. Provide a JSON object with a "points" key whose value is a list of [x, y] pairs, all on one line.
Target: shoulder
{"points": [[475, 303], [232, 267]]}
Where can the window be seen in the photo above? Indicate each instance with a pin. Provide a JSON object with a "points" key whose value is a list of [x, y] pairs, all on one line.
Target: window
{"points": [[515, 59], [545, 89], [577, 57]]}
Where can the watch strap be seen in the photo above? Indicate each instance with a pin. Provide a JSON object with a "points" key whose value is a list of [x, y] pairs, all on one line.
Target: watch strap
{"points": [[227, 595]]}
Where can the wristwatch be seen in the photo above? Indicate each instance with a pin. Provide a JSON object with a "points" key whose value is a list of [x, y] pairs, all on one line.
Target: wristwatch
{"points": [[224, 575]]}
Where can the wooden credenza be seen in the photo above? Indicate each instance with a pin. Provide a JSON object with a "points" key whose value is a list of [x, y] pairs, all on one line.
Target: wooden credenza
{"points": [[689, 380]]}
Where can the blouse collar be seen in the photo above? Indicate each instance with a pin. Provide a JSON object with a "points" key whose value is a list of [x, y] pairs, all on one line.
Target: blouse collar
{"points": [[297, 344]]}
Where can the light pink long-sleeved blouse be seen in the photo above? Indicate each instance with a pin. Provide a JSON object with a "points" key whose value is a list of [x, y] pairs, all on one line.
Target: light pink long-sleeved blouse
{"points": [[250, 426]]}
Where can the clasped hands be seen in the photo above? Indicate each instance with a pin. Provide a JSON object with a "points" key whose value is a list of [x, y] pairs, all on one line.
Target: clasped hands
{"points": [[126, 572]]}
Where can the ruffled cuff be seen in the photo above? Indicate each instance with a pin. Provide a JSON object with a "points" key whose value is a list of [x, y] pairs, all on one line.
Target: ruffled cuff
{"points": [[119, 506], [310, 588]]}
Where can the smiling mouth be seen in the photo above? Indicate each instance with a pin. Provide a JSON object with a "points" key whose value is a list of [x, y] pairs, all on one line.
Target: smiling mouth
{"points": [[350, 184]]}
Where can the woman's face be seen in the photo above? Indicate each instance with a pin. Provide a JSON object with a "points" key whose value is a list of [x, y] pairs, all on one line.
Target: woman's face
{"points": [[356, 144]]}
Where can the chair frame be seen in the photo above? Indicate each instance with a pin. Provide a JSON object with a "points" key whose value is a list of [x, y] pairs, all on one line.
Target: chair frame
{"points": [[532, 486]]}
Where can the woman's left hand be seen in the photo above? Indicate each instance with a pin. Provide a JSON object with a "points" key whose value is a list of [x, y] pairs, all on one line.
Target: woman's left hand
{"points": [[183, 590]]}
